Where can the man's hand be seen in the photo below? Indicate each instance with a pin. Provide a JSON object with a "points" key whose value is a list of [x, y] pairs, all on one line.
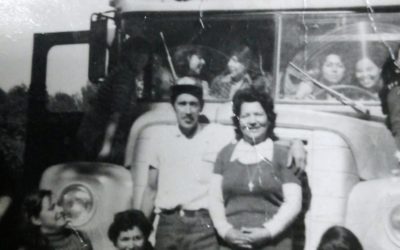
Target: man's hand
{"points": [[105, 150], [256, 235], [297, 155], [237, 238], [5, 202]]}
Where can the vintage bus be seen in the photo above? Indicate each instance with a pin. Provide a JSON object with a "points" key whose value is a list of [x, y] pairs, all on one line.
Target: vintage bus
{"points": [[352, 171]]}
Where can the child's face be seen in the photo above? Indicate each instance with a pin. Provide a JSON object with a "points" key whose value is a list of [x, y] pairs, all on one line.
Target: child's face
{"points": [[51, 218], [132, 239]]}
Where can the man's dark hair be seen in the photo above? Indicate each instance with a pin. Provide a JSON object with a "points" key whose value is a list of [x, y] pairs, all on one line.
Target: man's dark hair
{"points": [[253, 95], [193, 90], [127, 220]]}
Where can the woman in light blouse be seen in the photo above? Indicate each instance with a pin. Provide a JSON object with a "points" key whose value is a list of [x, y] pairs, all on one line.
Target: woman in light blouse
{"points": [[254, 197]]}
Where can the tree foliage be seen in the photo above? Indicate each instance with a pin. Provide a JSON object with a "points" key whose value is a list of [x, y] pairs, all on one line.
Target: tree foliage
{"points": [[61, 102], [13, 107], [13, 119]]}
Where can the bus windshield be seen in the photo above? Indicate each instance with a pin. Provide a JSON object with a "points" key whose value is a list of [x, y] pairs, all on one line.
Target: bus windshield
{"points": [[229, 47], [344, 50]]}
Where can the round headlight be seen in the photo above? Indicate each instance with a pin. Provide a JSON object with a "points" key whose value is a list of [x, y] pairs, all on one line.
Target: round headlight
{"points": [[393, 224], [395, 218], [77, 203]]}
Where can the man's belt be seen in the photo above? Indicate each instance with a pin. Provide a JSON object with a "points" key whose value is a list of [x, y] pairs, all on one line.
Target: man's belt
{"points": [[184, 212]]}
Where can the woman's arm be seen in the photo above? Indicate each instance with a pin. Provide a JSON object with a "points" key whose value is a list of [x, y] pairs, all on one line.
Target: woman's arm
{"points": [[216, 206], [304, 91], [217, 213], [288, 210], [5, 202]]}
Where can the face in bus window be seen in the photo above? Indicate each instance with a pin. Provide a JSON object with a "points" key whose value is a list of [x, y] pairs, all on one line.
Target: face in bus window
{"points": [[367, 73], [235, 67], [196, 63], [332, 69]]}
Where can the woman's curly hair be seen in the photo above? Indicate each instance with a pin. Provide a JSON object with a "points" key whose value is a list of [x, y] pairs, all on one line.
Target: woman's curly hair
{"points": [[253, 95]]}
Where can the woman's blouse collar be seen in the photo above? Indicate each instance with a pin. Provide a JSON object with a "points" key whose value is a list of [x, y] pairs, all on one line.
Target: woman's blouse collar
{"points": [[248, 154]]}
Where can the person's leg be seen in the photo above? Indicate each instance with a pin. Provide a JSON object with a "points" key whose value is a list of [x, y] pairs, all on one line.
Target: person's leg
{"points": [[201, 234], [170, 233]]}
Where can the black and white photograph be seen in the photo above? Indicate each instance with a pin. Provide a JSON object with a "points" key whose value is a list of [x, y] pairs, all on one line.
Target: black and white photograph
{"points": [[200, 125]]}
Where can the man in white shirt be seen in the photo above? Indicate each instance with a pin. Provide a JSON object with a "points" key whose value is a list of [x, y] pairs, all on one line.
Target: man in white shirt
{"points": [[179, 176]]}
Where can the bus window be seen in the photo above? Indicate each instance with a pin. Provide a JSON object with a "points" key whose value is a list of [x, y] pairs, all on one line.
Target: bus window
{"points": [[67, 71], [213, 40], [344, 51]]}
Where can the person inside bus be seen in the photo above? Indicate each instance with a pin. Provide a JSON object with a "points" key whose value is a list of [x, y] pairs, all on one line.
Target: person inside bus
{"points": [[254, 197], [105, 127], [130, 230], [339, 238], [390, 96], [161, 79], [332, 70], [189, 62], [235, 76], [47, 228], [368, 74]]}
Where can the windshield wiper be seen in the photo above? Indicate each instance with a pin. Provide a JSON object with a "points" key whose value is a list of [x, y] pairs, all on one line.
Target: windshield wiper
{"points": [[358, 107]]}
